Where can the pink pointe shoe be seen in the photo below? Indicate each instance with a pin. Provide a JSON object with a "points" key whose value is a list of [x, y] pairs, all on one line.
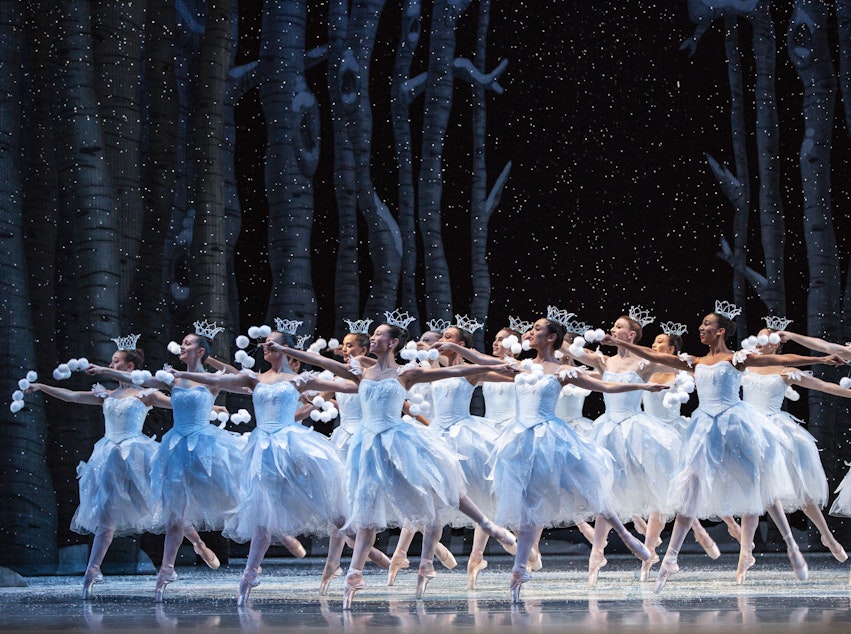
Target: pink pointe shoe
{"points": [[504, 537], [475, 564], [595, 563], [206, 554], [425, 573], [163, 579], [518, 578], [666, 571], [93, 576], [250, 579], [354, 583], [397, 563], [330, 572]]}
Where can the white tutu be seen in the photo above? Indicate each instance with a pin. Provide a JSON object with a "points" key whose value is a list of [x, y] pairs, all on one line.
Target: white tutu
{"points": [[291, 477], [766, 392], [194, 477], [472, 437], [645, 450], [654, 405], [544, 473], [398, 474], [732, 458], [115, 483]]}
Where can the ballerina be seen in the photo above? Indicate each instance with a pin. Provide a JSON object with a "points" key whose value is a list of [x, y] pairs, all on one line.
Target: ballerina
{"points": [[500, 396], [765, 388], [115, 487], [544, 472], [729, 463], [193, 473], [290, 475], [571, 400], [645, 450], [395, 476]]}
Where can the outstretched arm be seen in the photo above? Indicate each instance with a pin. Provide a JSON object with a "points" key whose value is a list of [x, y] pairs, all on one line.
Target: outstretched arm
{"points": [[814, 343], [69, 396], [812, 383], [340, 369], [661, 358], [596, 385], [126, 377], [425, 375], [220, 366], [469, 354], [792, 360], [239, 382]]}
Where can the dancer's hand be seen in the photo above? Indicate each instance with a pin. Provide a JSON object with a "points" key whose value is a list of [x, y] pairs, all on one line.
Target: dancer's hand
{"points": [[832, 359], [655, 387], [94, 369]]}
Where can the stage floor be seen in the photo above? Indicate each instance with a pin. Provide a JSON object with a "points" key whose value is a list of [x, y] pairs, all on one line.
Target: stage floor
{"points": [[702, 597]]}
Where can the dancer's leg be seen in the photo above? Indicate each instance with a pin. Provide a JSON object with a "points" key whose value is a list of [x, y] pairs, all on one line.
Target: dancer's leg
{"points": [[354, 578], [468, 508], [535, 562], [173, 540], [425, 572], [630, 541], [526, 539], [746, 560], [598, 546], [259, 545], [476, 563], [652, 539], [100, 544], [587, 531], [200, 547], [332, 569], [799, 564], [733, 528], [705, 540], [399, 559], [669, 566], [817, 518]]}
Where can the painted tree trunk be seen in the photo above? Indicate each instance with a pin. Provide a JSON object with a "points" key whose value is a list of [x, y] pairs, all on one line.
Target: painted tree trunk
{"points": [[843, 29], [209, 244], [158, 178], [90, 198], [809, 50], [771, 220], [438, 106], [292, 128], [400, 105], [28, 529], [347, 277], [117, 37]]}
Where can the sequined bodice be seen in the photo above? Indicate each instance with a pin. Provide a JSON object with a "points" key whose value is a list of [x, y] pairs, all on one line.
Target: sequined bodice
{"points": [[451, 401], [275, 405], [537, 401], [500, 400], [622, 406], [570, 402], [191, 407], [123, 417], [348, 405], [717, 386], [765, 391], [654, 405], [381, 403]]}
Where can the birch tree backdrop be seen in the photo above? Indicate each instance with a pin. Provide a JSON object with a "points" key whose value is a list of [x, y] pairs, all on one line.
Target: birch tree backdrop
{"points": [[163, 161]]}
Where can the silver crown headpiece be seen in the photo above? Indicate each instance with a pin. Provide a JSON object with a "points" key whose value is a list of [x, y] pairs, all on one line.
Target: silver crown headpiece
{"points": [[577, 327], [777, 323], [727, 309], [287, 326], [399, 318], [126, 343], [358, 327], [641, 315], [559, 316], [301, 340], [438, 325], [208, 330], [470, 324], [519, 325], [673, 328]]}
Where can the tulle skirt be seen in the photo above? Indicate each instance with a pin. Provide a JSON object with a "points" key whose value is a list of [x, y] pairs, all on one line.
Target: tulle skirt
{"points": [[291, 483], [548, 475], [732, 464], [194, 479], [474, 439], [646, 453], [404, 476], [804, 463], [115, 487]]}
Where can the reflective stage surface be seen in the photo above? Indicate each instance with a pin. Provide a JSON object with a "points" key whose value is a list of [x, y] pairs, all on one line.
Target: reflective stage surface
{"points": [[702, 597]]}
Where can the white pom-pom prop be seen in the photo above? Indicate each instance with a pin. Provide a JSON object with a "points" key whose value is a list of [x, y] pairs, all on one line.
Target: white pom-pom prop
{"points": [[749, 343], [223, 417], [433, 355], [845, 382], [165, 377], [774, 338], [321, 343], [791, 394], [319, 401], [762, 340], [315, 415], [64, 369], [249, 362], [254, 332], [174, 347], [240, 356], [17, 395], [333, 343], [32, 377], [509, 341], [599, 334], [16, 406], [73, 365], [214, 415], [23, 384], [264, 330], [57, 374], [242, 342], [136, 377], [559, 355], [407, 354], [83, 364], [327, 375], [526, 345]]}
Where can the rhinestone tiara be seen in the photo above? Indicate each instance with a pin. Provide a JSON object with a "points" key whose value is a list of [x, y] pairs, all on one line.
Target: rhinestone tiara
{"points": [[127, 343], [399, 318], [559, 316], [673, 328], [469, 324], [206, 329], [288, 326], [641, 315], [727, 309], [358, 327], [776, 323]]}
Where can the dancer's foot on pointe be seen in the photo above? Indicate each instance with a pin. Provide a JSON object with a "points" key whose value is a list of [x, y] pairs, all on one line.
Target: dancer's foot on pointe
{"points": [[354, 582], [836, 549], [331, 571], [646, 566], [799, 564], [445, 557], [425, 573], [250, 579], [475, 564], [93, 576], [518, 578], [595, 562], [504, 537], [397, 563], [668, 569], [165, 577], [206, 554], [746, 562]]}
